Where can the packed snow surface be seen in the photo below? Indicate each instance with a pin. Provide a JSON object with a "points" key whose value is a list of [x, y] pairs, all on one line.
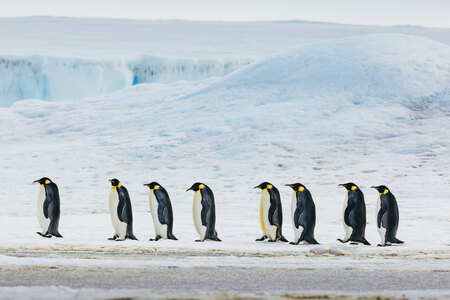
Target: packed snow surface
{"points": [[67, 59], [371, 109]]}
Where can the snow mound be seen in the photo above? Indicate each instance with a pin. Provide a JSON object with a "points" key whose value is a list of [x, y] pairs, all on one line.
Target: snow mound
{"points": [[51, 78], [360, 69]]}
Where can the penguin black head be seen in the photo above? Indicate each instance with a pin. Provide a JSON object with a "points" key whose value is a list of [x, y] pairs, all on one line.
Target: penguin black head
{"points": [[382, 189], [264, 185], [115, 182], [349, 186], [153, 185], [196, 187], [43, 180], [298, 187]]}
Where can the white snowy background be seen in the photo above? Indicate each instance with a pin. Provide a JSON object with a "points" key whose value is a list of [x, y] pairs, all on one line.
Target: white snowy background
{"points": [[230, 105]]}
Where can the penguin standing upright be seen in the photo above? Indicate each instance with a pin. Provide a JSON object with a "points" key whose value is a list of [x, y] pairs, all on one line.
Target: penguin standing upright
{"points": [[48, 210], [120, 211], [204, 212], [270, 213], [161, 210], [354, 215], [387, 216], [303, 212]]}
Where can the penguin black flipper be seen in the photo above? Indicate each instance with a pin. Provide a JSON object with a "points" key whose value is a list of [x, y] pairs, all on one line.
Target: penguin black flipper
{"points": [[208, 216], [52, 210], [275, 214], [124, 211], [297, 214], [165, 215]]}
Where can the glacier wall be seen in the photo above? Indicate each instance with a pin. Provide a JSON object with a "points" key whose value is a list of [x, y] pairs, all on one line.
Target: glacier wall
{"points": [[51, 78]]}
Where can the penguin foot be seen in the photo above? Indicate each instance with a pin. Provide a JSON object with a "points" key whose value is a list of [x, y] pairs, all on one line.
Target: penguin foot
{"points": [[155, 239], [271, 241], [44, 235], [292, 243], [379, 245], [197, 241], [283, 239], [261, 239], [343, 242], [354, 243], [113, 238]]}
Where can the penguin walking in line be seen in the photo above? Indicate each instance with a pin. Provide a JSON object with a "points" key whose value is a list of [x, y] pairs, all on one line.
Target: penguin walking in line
{"points": [[120, 212], [161, 210], [48, 210], [354, 215], [387, 216], [204, 212], [270, 213], [303, 212]]}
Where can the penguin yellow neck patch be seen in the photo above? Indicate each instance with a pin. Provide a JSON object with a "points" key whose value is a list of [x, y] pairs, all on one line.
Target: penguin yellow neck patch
{"points": [[386, 191], [119, 185], [155, 187], [269, 186], [47, 181], [300, 188], [353, 187], [201, 186]]}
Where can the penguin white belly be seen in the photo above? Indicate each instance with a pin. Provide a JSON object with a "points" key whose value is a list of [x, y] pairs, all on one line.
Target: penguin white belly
{"points": [[120, 228], [381, 230], [43, 221], [160, 229], [269, 230], [348, 229], [197, 214], [297, 231]]}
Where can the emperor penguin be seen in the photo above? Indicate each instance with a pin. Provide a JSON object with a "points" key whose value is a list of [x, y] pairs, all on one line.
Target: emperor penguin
{"points": [[120, 211], [204, 212], [354, 215], [48, 210], [161, 210], [270, 213], [303, 212], [387, 216]]}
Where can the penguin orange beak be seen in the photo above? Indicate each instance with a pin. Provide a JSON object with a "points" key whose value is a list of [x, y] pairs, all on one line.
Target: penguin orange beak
{"points": [[342, 184], [257, 187], [110, 180], [189, 189], [147, 184], [289, 185], [36, 181], [374, 187]]}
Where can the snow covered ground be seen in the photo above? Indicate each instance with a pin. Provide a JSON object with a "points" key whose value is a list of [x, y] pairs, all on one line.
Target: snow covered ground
{"points": [[373, 109]]}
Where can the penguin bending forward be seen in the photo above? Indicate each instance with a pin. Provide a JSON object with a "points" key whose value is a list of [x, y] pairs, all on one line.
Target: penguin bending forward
{"points": [[161, 210], [120, 212], [354, 215], [303, 212], [270, 213], [48, 210], [204, 212], [387, 216]]}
